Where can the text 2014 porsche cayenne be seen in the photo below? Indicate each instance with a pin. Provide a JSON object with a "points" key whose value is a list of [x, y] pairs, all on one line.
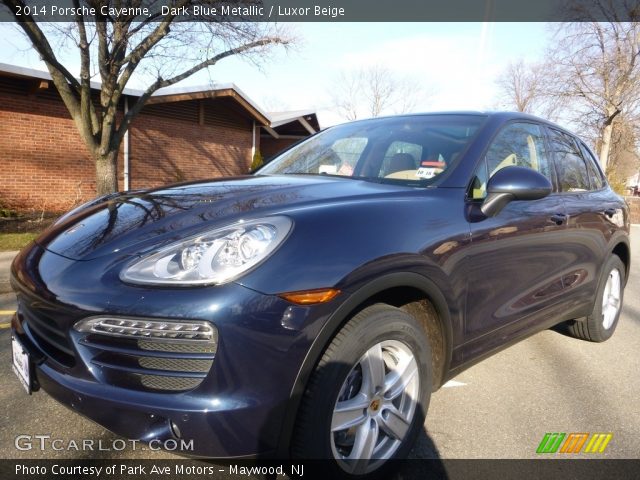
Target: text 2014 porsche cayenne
{"points": [[311, 309]]}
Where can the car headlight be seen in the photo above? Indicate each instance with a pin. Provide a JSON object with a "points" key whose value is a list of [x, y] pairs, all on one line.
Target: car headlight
{"points": [[213, 257]]}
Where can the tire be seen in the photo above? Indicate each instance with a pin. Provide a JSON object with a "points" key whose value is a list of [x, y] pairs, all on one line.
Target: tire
{"points": [[600, 325], [343, 379]]}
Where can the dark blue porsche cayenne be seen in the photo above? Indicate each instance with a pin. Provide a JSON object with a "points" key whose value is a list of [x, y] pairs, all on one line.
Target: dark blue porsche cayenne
{"points": [[309, 310]]}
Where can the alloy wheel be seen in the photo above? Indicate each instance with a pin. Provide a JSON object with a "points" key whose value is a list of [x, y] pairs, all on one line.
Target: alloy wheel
{"points": [[375, 407], [611, 298]]}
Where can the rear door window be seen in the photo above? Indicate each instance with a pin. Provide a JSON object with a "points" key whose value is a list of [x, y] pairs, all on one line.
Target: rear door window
{"points": [[572, 169]]}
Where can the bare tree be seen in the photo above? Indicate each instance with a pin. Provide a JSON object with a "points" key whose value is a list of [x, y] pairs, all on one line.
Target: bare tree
{"points": [[374, 91], [346, 94], [528, 88], [380, 89], [597, 68], [157, 48], [519, 86], [624, 160]]}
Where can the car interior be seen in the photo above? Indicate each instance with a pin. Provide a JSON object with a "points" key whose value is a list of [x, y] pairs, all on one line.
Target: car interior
{"points": [[416, 157], [402, 152]]}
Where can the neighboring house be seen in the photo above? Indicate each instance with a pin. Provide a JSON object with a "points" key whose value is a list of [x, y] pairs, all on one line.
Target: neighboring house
{"points": [[285, 129], [181, 134], [633, 184]]}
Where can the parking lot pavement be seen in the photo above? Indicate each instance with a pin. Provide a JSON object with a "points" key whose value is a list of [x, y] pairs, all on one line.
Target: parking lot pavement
{"points": [[5, 263], [7, 300], [500, 408], [7, 306]]}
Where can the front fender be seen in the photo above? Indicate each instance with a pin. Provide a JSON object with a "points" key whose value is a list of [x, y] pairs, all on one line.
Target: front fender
{"points": [[357, 298]]}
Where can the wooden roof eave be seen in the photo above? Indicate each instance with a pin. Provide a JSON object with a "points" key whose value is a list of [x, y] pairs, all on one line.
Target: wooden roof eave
{"points": [[226, 92]]}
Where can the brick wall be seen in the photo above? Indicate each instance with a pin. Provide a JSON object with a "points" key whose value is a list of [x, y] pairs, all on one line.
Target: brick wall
{"points": [[44, 164], [634, 208], [270, 146], [164, 150]]}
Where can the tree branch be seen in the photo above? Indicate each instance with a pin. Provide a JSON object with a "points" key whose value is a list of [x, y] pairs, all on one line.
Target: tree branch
{"points": [[137, 54], [161, 83], [87, 110], [39, 40]]}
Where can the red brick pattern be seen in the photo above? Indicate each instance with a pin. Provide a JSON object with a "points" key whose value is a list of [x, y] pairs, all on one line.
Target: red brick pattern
{"points": [[165, 151], [45, 166], [270, 146]]}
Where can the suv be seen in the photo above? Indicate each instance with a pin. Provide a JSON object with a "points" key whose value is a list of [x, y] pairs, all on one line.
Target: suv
{"points": [[309, 310]]}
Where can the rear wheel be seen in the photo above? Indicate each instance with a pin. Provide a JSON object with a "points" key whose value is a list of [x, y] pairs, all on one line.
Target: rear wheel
{"points": [[365, 402], [600, 325]]}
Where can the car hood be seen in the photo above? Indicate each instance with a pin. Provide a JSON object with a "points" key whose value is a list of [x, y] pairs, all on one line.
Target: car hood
{"points": [[134, 222]]}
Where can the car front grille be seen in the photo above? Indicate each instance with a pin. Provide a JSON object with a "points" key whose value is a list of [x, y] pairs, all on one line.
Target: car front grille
{"points": [[148, 364], [144, 364], [175, 384], [44, 328]]}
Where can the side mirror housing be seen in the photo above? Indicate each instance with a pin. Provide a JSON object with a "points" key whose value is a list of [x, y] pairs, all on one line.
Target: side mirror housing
{"points": [[513, 183]]}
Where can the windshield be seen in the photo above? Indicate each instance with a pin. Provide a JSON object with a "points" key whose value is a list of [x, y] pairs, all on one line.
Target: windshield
{"points": [[414, 150]]}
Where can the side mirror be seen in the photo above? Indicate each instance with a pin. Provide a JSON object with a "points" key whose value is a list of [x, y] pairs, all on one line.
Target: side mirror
{"points": [[513, 183]]}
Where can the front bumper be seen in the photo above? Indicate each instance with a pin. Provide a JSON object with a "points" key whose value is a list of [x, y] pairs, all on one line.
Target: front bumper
{"points": [[238, 408], [218, 430]]}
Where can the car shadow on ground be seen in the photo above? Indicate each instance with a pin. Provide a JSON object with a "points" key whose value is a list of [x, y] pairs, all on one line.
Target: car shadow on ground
{"points": [[422, 460]]}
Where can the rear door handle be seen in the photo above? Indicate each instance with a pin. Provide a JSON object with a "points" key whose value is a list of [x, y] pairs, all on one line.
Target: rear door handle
{"points": [[559, 218], [610, 212]]}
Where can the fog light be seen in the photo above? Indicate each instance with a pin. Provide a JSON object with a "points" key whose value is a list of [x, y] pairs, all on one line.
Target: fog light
{"points": [[152, 329]]}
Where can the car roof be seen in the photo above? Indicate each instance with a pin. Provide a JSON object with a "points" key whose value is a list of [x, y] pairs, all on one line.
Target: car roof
{"points": [[498, 117]]}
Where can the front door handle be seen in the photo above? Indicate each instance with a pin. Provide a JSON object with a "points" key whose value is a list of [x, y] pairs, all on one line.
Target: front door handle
{"points": [[610, 212], [559, 218]]}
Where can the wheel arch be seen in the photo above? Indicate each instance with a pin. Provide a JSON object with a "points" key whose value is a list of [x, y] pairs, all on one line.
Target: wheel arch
{"points": [[397, 287], [622, 250]]}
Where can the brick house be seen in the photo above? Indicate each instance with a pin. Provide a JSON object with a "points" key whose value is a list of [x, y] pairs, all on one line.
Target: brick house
{"points": [[181, 134], [286, 128]]}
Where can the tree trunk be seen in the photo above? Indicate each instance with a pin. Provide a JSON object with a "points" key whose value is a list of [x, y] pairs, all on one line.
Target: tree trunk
{"points": [[107, 173], [606, 146]]}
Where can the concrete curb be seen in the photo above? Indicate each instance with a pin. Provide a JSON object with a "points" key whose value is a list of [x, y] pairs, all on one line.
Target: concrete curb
{"points": [[5, 264]]}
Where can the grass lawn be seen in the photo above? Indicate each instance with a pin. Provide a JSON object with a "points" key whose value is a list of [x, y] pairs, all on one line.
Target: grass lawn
{"points": [[15, 241], [19, 230]]}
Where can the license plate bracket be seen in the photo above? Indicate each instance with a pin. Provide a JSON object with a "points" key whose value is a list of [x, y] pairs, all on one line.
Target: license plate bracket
{"points": [[21, 364]]}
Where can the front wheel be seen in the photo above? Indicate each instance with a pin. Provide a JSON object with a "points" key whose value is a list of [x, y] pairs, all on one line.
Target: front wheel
{"points": [[366, 401], [600, 325]]}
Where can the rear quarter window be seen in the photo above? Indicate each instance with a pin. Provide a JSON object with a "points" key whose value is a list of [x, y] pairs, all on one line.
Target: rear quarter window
{"points": [[595, 175]]}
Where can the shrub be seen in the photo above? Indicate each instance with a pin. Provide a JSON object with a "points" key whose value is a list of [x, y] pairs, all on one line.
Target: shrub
{"points": [[617, 183], [257, 162], [7, 212]]}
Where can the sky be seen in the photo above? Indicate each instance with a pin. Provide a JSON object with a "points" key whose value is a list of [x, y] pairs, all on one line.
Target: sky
{"points": [[457, 63]]}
